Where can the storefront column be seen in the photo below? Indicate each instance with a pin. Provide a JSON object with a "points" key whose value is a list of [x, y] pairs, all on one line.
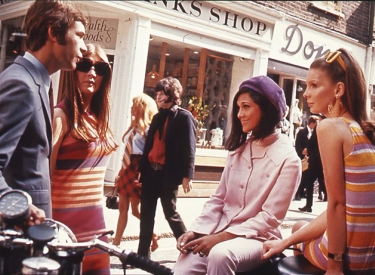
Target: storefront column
{"points": [[128, 79], [261, 62]]}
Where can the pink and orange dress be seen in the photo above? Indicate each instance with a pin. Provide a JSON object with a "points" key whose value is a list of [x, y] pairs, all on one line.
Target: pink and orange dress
{"points": [[360, 210], [77, 194]]}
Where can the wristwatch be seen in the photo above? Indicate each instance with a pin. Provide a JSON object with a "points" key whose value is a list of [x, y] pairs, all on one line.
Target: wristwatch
{"points": [[335, 257]]}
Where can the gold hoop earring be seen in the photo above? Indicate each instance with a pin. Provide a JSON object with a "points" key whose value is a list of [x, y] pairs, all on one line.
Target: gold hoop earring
{"points": [[330, 108], [341, 106]]}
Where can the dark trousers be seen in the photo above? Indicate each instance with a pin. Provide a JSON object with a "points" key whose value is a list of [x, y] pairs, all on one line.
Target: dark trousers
{"points": [[313, 173], [151, 191], [302, 185]]}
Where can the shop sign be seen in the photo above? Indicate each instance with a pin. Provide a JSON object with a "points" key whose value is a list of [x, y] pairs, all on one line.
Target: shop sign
{"points": [[102, 31], [305, 45], [212, 14]]}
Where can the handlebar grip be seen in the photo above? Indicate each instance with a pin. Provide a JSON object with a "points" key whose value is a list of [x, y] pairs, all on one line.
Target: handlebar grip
{"points": [[145, 264]]}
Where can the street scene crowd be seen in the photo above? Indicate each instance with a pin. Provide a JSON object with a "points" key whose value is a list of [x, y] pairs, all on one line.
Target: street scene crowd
{"points": [[58, 154]]}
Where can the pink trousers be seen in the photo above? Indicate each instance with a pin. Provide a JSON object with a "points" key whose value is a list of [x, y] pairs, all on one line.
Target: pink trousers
{"points": [[227, 257]]}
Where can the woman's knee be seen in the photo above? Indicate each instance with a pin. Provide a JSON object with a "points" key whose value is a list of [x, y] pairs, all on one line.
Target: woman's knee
{"points": [[123, 204], [221, 256]]}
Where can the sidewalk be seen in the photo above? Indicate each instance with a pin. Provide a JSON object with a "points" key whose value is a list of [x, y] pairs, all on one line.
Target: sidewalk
{"points": [[189, 209]]}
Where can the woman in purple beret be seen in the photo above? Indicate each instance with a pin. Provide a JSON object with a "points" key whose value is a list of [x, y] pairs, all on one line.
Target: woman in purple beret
{"points": [[342, 239], [259, 180]]}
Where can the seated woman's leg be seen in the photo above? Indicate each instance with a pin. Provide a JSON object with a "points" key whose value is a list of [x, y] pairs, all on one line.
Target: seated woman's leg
{"points": [[190, 264], [238, 254]]}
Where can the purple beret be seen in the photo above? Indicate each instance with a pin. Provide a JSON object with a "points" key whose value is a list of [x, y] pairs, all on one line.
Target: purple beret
{"points": [[268, 88]]}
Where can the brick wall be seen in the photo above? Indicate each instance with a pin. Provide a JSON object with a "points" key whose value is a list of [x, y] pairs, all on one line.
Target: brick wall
{"points": [[355, 24]]}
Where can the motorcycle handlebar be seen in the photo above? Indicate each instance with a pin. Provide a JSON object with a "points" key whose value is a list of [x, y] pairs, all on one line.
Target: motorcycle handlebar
{"points": [[125, 256]]}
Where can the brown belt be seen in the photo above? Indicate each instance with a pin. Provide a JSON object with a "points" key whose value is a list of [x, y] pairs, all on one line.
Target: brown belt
{"points": [[156, 166]]}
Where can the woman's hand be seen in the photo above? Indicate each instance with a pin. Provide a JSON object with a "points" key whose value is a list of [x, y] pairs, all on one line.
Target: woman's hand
{"points": [[203, 245], [274, 247], [183, 240]]}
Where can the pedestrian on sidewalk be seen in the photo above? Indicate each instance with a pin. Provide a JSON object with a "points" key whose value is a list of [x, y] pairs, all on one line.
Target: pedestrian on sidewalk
{"points": [[302, 139], [341, 240], [127, 182], [314, 170], [167, 161], [82, 145], [258, 183]]}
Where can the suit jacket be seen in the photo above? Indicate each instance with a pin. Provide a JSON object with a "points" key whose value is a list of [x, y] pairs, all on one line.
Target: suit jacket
{"points": [[301, 141], [315, 161], [25, 133], [257, 185], [180, 143]]}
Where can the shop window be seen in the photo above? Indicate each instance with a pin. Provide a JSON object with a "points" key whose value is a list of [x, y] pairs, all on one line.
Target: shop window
{"points": [[332, 7], [14, 40], [204, 75], [218, 78]]}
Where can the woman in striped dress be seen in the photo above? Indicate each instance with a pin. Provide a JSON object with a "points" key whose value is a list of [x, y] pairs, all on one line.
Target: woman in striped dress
{"points": [[342, 239], [82, 144]]}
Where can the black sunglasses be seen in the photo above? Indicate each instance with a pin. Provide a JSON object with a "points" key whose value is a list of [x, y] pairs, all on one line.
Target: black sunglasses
{"points": [[85, 65]]}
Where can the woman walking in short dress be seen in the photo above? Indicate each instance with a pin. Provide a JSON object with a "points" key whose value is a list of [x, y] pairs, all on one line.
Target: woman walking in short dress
{"points": [[127, 185]]}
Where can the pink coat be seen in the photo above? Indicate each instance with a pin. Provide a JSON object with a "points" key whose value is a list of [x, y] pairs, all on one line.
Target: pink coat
{"points": [[256, 188]]}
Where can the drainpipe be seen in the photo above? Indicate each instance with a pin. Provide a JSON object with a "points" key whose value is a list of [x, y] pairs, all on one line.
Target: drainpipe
{"points": [[371, 29], [369, 56]]}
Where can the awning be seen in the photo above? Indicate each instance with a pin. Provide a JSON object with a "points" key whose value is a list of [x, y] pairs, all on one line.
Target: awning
{"points": [[287, 68]]}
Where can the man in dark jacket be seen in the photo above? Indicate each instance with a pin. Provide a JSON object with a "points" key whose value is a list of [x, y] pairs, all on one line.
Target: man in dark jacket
{"points": [[314, 171], [167, 161], [302, 139]]}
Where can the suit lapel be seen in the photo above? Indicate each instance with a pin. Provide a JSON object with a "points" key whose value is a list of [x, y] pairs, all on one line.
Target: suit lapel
{"points": [[42, 94]]}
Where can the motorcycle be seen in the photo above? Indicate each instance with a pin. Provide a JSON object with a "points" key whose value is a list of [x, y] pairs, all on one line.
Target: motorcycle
{"points": [[51, 247]]}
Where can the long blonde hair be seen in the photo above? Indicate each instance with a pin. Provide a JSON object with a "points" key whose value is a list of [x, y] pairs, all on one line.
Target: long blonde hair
{"points": [[144, 108], [99, 105]]}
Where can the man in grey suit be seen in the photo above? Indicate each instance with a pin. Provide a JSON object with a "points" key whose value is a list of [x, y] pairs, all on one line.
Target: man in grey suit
{"points": [[54, 41]]}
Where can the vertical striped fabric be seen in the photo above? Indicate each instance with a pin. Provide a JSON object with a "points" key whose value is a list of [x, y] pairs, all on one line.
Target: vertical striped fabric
{"points": [[360, 209], [77, 194], [128, 150]]}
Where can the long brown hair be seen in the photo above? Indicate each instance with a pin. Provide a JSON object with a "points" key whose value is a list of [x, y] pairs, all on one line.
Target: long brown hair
{"points": [[268, 121], [355, 96], [99, 105]]}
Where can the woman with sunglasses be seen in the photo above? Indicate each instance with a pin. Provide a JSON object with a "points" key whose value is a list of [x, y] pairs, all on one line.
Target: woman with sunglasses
{"points": [[82, 144], [342, 239]]}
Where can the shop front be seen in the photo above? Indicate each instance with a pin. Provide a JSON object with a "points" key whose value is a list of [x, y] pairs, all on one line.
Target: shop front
{"points": [[294, 47], [210, 46]]}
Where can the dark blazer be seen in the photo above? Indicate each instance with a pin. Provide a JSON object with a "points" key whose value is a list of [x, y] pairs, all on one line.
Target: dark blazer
{"points": [[179, 148], [301, 141], [314, 161], [25, 133]]}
